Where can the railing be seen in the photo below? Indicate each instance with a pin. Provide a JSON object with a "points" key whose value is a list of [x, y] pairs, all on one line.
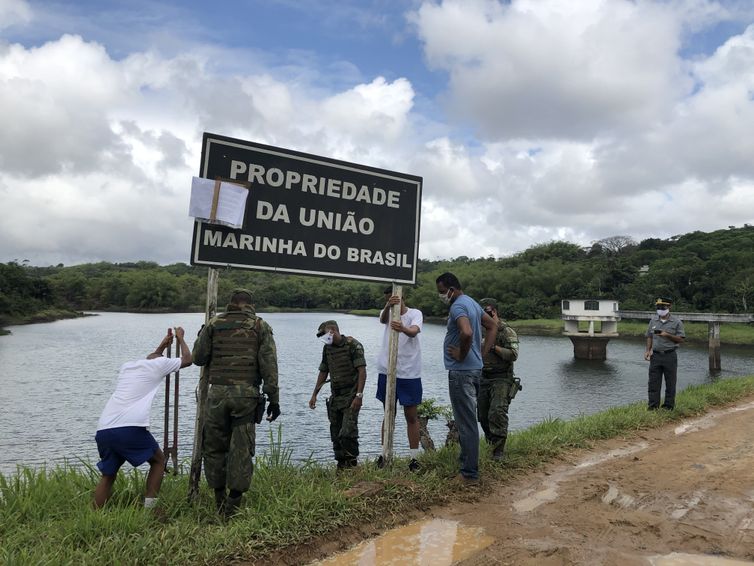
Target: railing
{"points": [[711, 318]]}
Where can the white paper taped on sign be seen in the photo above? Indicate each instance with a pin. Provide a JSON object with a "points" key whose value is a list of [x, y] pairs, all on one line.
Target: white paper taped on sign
{"points": [[231, 202]]}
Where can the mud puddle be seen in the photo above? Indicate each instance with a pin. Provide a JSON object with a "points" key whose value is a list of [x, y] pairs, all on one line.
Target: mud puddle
{"points": [[433, 542]]}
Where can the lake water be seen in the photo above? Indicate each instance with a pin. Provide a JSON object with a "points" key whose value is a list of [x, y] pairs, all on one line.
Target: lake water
{"points": [[58, 376]]}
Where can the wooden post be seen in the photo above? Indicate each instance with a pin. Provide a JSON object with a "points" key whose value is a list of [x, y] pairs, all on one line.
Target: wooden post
{"points": [[388, 426], [714, 346], [175, 412], [171, 451], [166, 424], [202, 391]]}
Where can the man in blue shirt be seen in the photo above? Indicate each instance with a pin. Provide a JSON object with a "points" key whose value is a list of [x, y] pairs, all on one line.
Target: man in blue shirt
{"points": [[463, 349]]}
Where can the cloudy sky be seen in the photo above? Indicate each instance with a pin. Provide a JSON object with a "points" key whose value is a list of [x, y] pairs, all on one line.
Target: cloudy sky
{"points": [[529, 120]]}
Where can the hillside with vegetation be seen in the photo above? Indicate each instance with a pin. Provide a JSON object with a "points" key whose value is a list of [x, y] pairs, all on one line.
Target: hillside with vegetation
{"points": [[702, 272]]}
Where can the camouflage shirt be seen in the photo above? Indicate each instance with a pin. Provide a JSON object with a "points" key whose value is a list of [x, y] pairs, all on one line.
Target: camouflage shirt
{"points": [[266, 353], [354, 348], [507, 339]]}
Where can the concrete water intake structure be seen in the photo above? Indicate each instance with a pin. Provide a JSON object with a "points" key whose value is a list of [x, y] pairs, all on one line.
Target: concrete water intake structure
{"points": [[591, 323]]}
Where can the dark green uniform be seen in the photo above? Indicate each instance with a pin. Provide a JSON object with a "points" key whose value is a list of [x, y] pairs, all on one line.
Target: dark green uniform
{"points": [[497, 387], [239, 351], [342, 363]]}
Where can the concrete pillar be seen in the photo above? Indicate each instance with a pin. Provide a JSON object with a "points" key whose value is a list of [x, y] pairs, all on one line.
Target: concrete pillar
{"points": [[714, 346], [589, 347]]}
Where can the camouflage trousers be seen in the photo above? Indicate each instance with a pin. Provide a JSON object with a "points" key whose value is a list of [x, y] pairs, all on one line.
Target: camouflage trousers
{"points": [[344, 428], [229, 436], [492, 408]]}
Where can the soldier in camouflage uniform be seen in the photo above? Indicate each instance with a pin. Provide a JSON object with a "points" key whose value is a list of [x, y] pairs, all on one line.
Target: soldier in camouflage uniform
{"points": [[343, 359], [239, 351], [498, 386]]}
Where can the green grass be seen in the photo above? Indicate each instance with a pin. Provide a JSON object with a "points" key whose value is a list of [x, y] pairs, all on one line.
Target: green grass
{"points": [[731, 333], [365, 312], [46, 515]]}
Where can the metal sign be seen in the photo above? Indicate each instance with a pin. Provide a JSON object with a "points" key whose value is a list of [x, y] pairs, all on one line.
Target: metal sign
{"points": [[311, 215]]}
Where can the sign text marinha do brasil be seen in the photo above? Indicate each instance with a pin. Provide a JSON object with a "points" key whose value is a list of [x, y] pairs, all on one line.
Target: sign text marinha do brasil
{"points": [[311, 215]]}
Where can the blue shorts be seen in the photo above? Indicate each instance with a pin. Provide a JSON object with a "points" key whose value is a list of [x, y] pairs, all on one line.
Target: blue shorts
{"points": [[407, 391], [134, 444]]}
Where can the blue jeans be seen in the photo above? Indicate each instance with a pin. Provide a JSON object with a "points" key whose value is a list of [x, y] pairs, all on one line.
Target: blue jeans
{"points": [[463, 387]]}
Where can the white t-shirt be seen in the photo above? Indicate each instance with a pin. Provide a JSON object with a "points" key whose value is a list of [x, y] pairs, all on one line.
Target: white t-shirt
{"points": [[409, 364], [131, 402]]}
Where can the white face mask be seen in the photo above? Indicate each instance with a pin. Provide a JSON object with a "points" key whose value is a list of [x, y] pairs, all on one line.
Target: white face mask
{"points": [[327, 338], [445, 298], [663, 312]]}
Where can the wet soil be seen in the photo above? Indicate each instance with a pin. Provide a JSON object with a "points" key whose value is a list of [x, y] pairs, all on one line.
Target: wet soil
{"points": [[683, 489], [686, 488]]}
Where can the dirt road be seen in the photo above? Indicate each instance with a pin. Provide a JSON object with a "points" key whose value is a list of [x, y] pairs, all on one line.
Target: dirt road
{"points": [[686, 488]]}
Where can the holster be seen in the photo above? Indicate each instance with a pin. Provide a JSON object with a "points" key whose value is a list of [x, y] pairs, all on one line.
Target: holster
{"points": [[260, 409], [515, 388]]}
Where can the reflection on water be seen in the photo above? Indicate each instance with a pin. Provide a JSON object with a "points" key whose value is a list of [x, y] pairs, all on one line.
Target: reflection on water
{"points": [[58, 376], [433, 542]]}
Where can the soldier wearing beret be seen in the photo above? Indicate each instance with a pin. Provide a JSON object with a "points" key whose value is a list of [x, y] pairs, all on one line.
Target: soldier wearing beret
{"points": [[664, 334], [343, 360], [240, 354], [498, 386]]}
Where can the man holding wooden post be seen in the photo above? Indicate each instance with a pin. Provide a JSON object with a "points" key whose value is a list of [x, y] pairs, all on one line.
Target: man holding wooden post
{"points": [[408, 384]]}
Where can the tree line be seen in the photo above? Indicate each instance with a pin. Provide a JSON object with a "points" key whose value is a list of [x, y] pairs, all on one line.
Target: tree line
{"points": [[702, 272]]}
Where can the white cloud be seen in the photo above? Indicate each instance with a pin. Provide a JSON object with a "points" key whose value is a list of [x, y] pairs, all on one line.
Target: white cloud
{"points": [[54, 102], [574, 120], [97, 154], [14, 12], [554, 68], [368, 109]]}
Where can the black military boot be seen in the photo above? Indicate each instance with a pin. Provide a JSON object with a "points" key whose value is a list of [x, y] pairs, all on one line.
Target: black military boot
{"points": [[497, 451], [220, 501], [232, 504]]}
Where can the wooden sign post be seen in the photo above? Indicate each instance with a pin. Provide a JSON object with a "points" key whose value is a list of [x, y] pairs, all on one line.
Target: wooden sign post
{"points": [[171, 451], [388, 425], [202, 390]]}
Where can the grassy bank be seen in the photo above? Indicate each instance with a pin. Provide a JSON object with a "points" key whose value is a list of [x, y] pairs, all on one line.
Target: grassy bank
{"points": [[695, 331], [46, 516], [47, 315]]}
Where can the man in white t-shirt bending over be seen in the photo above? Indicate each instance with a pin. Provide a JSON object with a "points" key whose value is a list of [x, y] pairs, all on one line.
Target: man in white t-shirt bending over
{"points": [[123, 429], [408, 383]]}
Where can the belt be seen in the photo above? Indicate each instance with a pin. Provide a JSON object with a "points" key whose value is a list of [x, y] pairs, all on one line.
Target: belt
{"points": [[664, 351]]}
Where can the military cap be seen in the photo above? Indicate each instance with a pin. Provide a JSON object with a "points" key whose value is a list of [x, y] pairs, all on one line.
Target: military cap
{"points": [[663, 301], [325, 324], [241, 290], [488, 301]]}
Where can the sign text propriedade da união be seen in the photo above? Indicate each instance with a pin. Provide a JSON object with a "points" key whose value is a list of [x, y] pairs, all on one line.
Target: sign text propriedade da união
{"points": [[312, 215]]}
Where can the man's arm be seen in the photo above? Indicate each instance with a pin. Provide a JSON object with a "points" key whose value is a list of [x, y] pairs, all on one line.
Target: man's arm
{"points": [[164, 343], [385, 312], [672, 337], [678, 337], [267, 356], [491, 332], [466, 334], [185, 352], [648, 351], [360, 382], [202, 352], [409, 331], [321, 378], [508, 347]]}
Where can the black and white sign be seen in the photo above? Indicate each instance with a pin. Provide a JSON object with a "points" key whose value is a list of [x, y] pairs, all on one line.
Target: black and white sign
{"points": [[311, 215]]}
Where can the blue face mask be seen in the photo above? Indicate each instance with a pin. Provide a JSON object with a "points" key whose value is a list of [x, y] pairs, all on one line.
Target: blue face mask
{"points": [[663, 312]]}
